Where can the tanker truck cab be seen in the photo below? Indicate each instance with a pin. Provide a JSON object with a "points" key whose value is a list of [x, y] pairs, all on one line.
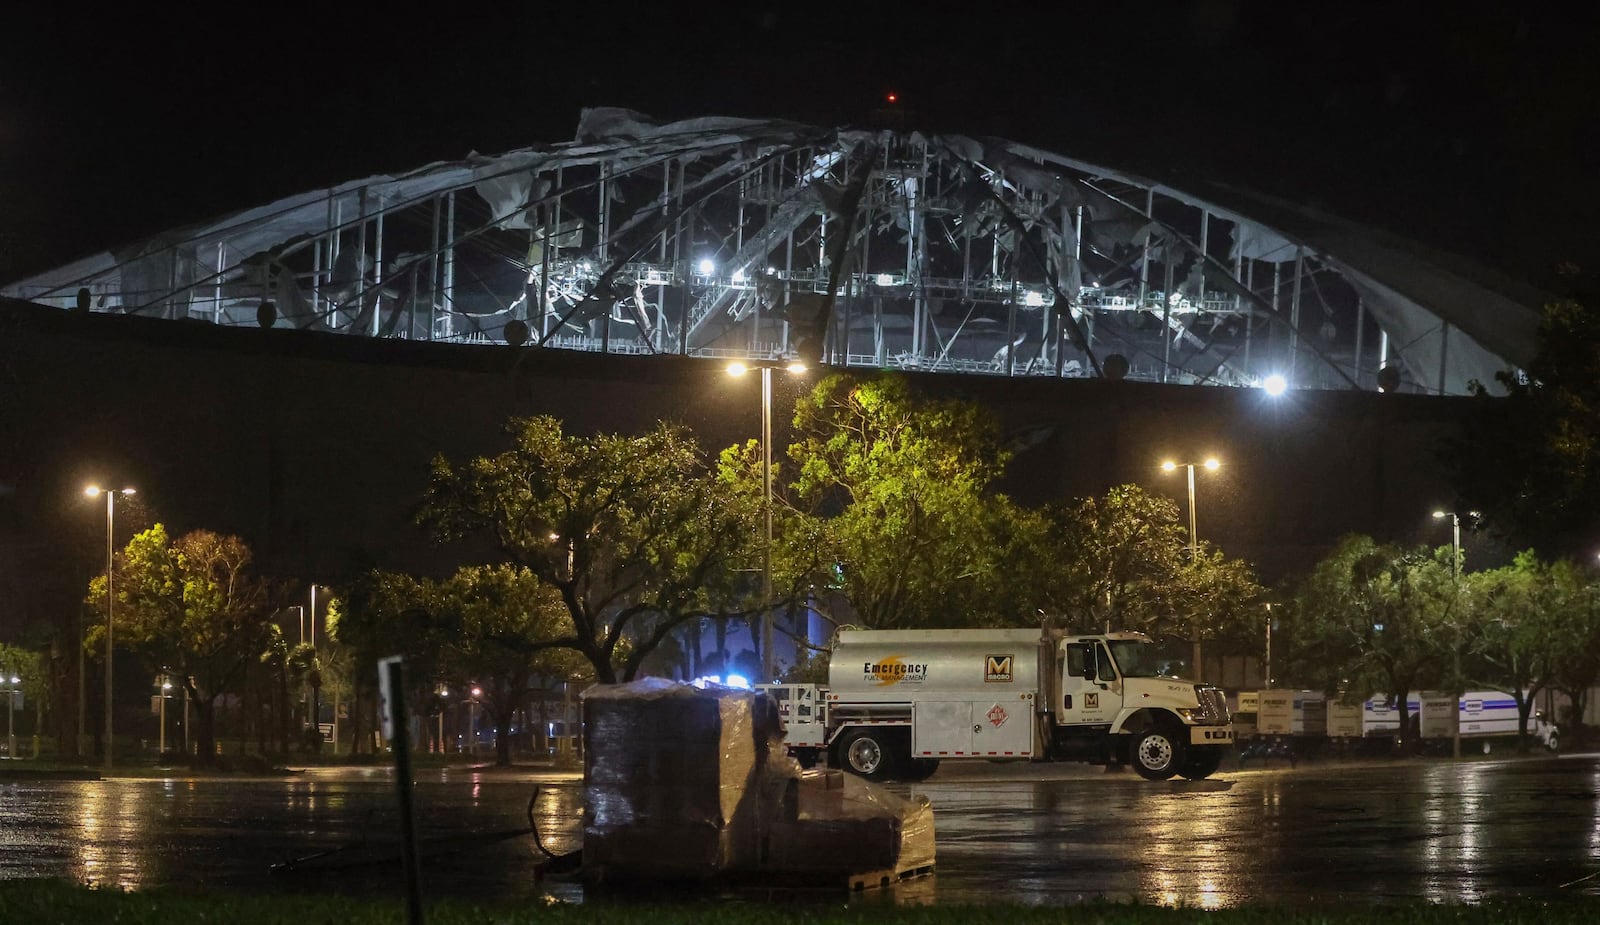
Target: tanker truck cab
{"points": [[901, 701], [1119, 699]]}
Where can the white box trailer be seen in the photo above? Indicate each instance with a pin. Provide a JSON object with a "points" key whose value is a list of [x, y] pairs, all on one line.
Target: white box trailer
{"points": [[1486, 717], [901, 701], [1292, 713], [1380, 715], [1344, 720]]}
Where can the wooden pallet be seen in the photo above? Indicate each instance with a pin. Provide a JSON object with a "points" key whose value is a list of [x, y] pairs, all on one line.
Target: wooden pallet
{"points": [[879, 879]]}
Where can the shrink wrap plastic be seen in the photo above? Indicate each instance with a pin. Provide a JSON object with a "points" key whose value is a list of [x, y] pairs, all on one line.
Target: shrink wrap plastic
{"points": [[684, 783], [668, 772]]}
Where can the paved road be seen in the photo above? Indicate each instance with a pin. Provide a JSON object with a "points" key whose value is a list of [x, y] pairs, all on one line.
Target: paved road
{"points": [[1049, 834]]}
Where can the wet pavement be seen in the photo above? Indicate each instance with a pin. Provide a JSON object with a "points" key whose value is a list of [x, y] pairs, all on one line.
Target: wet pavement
{"points": [[1372, 833]]}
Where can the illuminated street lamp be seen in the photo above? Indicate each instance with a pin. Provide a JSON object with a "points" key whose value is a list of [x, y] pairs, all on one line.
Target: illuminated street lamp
{"points": [[739, 368], [1455, 652], [111, 599], [472, 718], [1210, 464], [166, 691]]}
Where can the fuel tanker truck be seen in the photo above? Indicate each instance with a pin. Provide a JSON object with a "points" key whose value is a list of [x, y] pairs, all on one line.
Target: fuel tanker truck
{"points": [[901, 701]]}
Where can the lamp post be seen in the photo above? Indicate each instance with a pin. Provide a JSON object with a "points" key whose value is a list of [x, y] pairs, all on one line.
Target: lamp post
{"points": [[472, 718], [1267, 680], [1211, 464], [11, 718], [1455, 650], [166, 687], [766, 367], [111, 600]]}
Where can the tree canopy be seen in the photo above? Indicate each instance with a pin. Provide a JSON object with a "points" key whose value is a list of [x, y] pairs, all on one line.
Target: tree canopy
{"points": [[897, 492], [192, 606], [637, 534], [1531, 460]]}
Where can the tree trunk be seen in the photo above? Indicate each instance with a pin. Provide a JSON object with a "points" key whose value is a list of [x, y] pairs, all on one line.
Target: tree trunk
{"points": [[206, 718], [316, 718], [502, 738]]}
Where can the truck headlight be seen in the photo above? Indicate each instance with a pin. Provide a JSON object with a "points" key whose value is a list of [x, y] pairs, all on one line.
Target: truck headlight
{"points": [[1188, 715]]}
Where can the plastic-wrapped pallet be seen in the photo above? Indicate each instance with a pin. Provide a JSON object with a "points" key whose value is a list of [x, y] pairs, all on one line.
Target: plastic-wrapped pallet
{"points": [[668, 777], [683, 783], [843, 825]]}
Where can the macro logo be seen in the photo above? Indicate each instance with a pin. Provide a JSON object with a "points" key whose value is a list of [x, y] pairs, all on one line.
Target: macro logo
{"points": [[893, 670], [997, 668]]}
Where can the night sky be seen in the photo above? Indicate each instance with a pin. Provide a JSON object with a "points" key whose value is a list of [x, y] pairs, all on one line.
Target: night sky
{"points": [[1471, 127]]}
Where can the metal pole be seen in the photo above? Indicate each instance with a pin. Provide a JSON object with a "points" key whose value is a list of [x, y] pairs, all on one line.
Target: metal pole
{"points": [[1267, 681], [1455, 678], [1194, 550], [409, 861], [83, 692], [161, 748], [111, 601], [766, 505], [1194, 542], [11, 719]]}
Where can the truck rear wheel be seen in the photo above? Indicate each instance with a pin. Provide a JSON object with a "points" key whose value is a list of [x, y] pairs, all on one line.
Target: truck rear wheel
{"points": [[868, 753], [1201, 763], [1157, 753], [920, 769]]}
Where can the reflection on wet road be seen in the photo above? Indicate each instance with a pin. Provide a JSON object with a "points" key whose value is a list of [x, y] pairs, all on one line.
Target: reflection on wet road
{"points": [[1031, 834]]}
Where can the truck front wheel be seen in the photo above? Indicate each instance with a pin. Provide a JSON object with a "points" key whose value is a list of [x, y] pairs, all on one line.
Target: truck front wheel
{"points": [[868, 753], [1157, 753]]}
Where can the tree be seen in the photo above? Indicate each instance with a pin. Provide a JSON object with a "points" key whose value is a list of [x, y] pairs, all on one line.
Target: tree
{"points": [[31, 671], [636, 534], [1118, 562], [506, 617], [1519, 614], [1575, 656], [1115, 560], [1531, 460], [892, 498], [304, 667], [1374, 618], [191, 605], [387, 614]]}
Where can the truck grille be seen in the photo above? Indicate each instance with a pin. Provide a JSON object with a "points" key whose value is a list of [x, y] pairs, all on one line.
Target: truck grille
{"points": [[1213, 706]]}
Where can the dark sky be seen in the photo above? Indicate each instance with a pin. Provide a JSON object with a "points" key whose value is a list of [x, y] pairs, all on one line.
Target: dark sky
{"points": [[1471, 127]]}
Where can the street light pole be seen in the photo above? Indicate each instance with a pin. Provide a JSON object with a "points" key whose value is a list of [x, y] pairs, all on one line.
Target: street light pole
{"points": [[1455, 650], [166, 685], [766, 513], [111, 601], [11, 719], [768, 670], [1211, 464]]}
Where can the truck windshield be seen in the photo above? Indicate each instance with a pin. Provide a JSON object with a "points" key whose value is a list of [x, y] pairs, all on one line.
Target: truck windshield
{"points": [[1137, 659]]}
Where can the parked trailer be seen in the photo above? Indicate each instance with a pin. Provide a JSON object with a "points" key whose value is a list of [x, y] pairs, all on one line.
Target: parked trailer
{"points": [[901, 701], [1486, 718]]}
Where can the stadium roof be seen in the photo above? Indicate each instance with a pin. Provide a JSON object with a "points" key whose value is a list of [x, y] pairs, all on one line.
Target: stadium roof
{"points": [[874, 247]]}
